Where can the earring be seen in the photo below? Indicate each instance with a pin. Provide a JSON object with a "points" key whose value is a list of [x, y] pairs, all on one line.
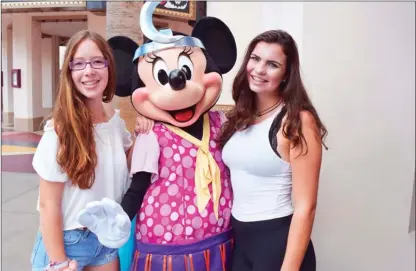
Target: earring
{"points": [[282, 85]]}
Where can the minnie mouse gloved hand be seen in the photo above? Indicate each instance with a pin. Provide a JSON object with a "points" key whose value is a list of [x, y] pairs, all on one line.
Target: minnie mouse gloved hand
{"points": [[108, 221]]}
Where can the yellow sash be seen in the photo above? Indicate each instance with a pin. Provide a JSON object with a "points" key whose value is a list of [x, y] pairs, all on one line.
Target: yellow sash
{"points": [[206, 171]]}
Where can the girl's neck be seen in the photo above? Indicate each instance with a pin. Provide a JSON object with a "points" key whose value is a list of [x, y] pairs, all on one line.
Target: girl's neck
{"points": [[97, 111], [266, 100]]}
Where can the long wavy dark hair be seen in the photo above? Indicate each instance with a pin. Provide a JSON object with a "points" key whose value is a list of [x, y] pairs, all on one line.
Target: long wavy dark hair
{"points": [[292, 92]]}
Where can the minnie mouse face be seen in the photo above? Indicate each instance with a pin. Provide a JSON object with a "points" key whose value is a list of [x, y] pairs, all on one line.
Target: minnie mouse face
{"points": [[178, 84], [176, 88]]}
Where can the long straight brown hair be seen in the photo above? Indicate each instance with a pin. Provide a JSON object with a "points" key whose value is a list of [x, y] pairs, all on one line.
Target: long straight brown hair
{"points": [[72, 120], [292, 92]]}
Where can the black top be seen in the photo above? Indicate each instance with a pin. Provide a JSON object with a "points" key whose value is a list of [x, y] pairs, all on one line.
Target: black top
{"points": [[274, 128]]}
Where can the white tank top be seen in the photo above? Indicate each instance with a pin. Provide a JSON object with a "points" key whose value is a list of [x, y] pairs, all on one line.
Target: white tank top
{"points": [[261, 180]]}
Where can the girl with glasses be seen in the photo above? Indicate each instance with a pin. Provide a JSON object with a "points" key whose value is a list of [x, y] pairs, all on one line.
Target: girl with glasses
{"points": [[82, 157]]}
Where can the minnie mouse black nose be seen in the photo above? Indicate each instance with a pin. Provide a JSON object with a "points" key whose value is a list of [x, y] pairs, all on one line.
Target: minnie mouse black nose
{"points": [[177, 79]]}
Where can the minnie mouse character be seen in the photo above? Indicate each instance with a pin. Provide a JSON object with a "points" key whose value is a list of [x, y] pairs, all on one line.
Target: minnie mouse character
{"points": [[180, 187]]}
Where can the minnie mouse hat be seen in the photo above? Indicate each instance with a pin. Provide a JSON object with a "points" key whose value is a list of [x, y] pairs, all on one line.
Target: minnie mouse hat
{"points": [[163, 39]]}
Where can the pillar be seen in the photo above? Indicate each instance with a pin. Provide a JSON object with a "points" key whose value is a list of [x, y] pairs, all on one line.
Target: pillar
{"points": [[96, 23], [55, 67], [122, 18], [27, 41], [47, 75], [50, 72], [7, 90]]}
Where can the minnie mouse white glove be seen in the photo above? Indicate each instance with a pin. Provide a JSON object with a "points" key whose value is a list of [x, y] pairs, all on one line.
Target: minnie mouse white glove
{"points": [[107, 219]]}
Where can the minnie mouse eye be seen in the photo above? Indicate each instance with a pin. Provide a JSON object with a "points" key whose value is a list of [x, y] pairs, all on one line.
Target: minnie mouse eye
{"points": [[160, 73], [187, 72], [162, 76], [185, 64]]}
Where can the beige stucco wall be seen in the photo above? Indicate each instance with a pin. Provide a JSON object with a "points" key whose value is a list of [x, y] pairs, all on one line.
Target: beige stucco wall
{"points": [[246, 20], [358, 62]]}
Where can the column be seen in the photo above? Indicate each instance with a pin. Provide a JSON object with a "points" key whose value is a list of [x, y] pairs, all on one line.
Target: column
{"points": [[122, 18], [96, 23], [28, 113], [55, 67], [7, 90], [47, 75], [50, 72]]}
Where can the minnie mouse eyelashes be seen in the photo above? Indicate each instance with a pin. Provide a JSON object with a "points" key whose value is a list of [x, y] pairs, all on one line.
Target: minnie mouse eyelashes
{"points": [[188, 50], [152, 57]]}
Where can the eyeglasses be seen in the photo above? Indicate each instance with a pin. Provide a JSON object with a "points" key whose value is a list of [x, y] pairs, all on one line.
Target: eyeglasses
{"points": [[78, 65]]}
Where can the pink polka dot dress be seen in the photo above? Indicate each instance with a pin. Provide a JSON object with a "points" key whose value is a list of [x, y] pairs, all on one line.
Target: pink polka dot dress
{"points": [[169, 214]]}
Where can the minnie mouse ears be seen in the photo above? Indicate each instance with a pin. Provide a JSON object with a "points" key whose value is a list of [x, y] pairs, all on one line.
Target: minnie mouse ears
{"points": [[123, 49], [218, 40]]}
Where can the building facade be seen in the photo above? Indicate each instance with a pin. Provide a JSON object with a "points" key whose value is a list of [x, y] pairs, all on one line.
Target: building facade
{"points": [[34, 35], [358, 65]]}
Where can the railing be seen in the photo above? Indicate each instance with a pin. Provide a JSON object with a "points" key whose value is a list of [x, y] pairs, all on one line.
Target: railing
{"points": [[15, 5]]}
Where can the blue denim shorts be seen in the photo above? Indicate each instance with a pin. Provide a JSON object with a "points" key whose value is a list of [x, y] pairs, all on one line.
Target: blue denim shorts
{"points": [[80, 245]]}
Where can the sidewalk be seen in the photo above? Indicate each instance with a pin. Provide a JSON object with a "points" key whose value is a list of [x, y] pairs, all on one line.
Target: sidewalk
{"points": [[19, 219]]}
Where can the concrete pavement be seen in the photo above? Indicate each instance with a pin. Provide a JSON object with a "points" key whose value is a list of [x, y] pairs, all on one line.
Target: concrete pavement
{"points": [[19, 219]]}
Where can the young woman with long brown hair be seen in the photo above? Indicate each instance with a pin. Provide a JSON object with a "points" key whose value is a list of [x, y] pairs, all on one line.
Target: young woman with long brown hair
{"points": [[272, 144], [81, 158]]}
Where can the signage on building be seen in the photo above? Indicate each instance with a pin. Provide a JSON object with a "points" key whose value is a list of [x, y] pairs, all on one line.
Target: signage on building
{"points": [[177, 9]]}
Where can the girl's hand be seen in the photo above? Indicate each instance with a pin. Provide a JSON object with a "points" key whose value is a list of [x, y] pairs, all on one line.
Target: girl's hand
{"points": [[72, 266], [143, 125]]}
